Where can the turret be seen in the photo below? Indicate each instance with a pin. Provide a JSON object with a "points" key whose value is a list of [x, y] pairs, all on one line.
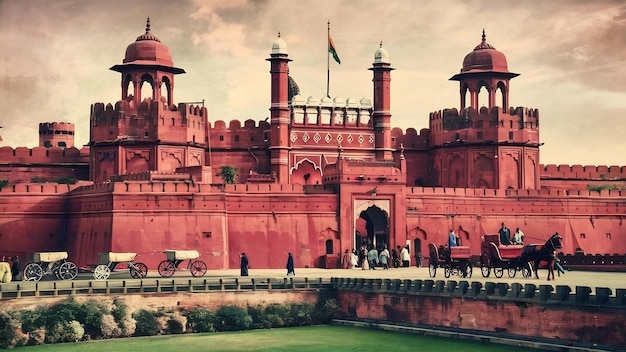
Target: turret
{"points": [[381, 68], [279, 110]]}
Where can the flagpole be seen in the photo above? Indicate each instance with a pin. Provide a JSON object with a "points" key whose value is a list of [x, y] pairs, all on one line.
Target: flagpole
{"points": [[328, 62]]}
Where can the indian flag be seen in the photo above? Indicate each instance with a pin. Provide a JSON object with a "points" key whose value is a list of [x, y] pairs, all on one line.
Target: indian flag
{"points": [[332, 50]]}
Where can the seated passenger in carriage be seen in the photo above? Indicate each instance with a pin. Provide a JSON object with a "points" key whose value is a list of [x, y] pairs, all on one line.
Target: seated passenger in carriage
{"points": [[518, 237]]}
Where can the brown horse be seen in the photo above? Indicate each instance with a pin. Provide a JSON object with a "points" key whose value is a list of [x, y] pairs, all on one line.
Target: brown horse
{"points": [[537, 253]]}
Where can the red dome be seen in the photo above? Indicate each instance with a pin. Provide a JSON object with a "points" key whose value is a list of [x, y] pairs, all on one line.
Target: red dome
{"points": [[148, 49], [485, 58]]}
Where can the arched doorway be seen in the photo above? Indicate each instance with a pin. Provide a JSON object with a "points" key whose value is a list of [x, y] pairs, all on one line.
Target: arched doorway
{"points": [[376, 226]]}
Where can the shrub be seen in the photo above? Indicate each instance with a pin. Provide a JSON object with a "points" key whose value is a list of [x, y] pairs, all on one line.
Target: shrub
{"points": [[232, 318], [301, 314], [70, 331], [110, 327], [200, 320], [326, 308], [146, 323], [259, 318], [7, 330]]}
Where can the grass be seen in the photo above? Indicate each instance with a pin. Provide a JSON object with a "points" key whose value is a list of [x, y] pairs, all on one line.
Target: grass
{"points": [[302, 339]]}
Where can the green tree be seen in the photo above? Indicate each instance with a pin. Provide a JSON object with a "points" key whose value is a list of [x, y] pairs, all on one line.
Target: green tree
{"points": [[229, 174]]}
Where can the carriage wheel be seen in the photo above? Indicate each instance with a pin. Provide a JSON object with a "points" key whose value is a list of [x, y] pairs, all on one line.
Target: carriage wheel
{"points": [[498, 272], [465, 271], [101, 272], [527, 271], [447, 272], [485, 265], [67, 271], [55, 269], [138, 271], [432, 269], [166, 268], [512, 272], [198, 268], [33, 272]]}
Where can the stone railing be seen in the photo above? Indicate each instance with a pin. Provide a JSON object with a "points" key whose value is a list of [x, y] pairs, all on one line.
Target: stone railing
{"points": [[24, 289]]}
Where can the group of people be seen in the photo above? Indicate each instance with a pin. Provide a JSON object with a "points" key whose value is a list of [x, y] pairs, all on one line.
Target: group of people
{"points": [[12, 265], [369, 258], [506, 239], [244, 265]]}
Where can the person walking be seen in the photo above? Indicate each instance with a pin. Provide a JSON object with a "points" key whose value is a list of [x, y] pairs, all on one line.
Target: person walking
{"points": [[244, 264], [384, 258], [372, 258], [354, 259], [364, 262], [345, 260], [289, 266], [405, 256], [15, 267]]}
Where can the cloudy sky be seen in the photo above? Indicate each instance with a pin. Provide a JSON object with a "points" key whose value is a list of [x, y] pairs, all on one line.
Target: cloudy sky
{"points": [[571, 55]]}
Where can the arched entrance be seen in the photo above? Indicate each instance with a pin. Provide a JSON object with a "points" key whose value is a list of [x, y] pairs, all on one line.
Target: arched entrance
{"points": [[371, 223]]}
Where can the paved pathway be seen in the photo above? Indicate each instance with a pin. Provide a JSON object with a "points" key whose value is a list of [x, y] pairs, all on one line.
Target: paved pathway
{"points": [[591, 279]]}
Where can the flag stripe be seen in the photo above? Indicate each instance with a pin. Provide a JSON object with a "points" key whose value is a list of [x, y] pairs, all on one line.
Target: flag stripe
{"points": [[332, 50]]}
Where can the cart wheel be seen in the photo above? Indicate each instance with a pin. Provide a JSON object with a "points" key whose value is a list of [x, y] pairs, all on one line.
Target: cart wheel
{"points": [[432, 269], [55, 269], [447, 272], [498, 272], [166, 268], [33, 272], [465, 271], [138, 271], [527, 271], [67, 271], [101, 272], [198, 268], [485, 265], [512, 272]]}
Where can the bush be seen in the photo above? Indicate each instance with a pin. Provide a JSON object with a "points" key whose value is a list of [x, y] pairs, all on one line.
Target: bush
{"points": [[232, 318], [259, 318], [200, 320], [146, 323], [301, 314], [7, 330]]}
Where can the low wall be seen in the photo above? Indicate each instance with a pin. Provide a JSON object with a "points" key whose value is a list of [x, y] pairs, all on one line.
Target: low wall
{"points": [[528, 310]]}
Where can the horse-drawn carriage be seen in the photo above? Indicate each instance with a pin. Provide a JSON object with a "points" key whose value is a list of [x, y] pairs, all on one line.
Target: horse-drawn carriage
{"points": [[495, 257], [109, 261], [50, 263], [176, 257], [453, 260]]}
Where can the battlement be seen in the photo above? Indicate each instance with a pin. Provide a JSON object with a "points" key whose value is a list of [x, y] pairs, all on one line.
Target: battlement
{"points": [[43, 155], [587, 172], [234, 135], [38, 188], [150, 120], [410, 139], [56, 134], [519, 125]]}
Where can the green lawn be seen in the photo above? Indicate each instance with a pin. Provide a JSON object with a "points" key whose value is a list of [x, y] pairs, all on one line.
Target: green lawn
{"points": [[302, 339]]}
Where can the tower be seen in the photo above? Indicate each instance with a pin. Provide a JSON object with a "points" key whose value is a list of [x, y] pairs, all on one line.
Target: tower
{"points": [[56, 134], [146, 133], [279, 110], [490, 146], [381, 68]]}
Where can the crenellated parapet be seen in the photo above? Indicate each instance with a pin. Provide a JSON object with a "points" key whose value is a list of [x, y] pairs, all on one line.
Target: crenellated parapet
{"points": [[150, 120], [56, 134], [38, 188], [410, 139], [519, 125], [236, 135], [43, 155], [586, 172]]}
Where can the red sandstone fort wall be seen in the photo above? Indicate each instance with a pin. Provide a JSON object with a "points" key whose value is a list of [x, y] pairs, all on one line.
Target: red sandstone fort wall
{"points": [[268, 220]]}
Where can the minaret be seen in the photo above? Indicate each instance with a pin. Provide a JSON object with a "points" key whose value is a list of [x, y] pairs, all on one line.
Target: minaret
{"points": [[279, 111], [382, 104]]}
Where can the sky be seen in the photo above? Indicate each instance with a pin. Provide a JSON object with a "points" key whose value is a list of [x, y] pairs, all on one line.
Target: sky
{"points": [[570, 54]]}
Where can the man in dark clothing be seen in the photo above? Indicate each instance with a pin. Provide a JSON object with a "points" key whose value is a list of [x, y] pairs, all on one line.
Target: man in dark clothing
{"points": [[505, 235], [244, 264], [15, 267], [289, 267]]}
